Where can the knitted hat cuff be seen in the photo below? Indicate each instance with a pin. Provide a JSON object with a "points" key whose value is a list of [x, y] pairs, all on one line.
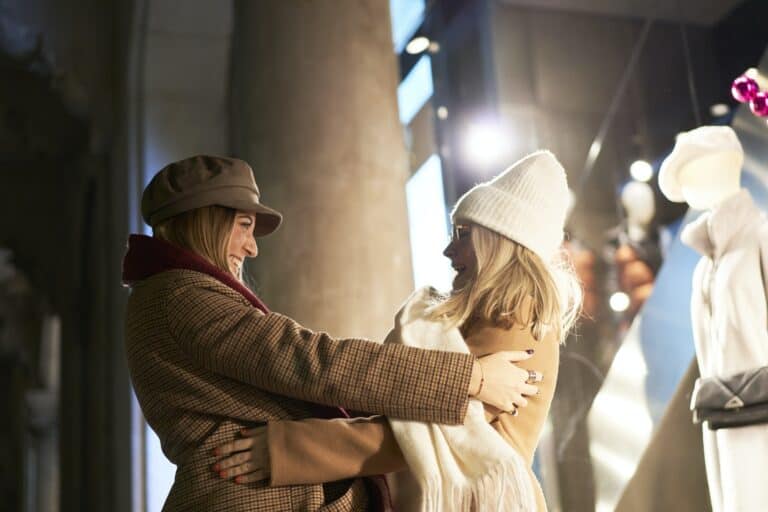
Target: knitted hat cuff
{"points": [[510, 216]]}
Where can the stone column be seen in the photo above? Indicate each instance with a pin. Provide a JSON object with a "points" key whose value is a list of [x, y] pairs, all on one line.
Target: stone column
{"points": [[314, 111]]}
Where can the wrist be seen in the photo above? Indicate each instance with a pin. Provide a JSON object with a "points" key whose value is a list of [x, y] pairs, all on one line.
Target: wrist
{"points": [[477, 379]]}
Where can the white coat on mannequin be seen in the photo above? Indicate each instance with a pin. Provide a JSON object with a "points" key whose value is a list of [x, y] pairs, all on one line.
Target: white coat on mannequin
{"points": [[728, 304]]}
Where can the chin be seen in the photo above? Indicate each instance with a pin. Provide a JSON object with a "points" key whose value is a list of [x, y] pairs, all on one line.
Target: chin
{"points": [[458, 283]]}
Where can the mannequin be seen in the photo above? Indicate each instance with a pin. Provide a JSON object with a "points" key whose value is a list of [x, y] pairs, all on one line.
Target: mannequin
{"points": [[711, 179], [728, 303]]}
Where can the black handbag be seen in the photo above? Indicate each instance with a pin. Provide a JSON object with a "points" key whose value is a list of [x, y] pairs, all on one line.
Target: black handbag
{"points": [[736, 401]]}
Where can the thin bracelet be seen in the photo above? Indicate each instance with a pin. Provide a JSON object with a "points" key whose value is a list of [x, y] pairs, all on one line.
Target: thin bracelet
{"points": [[482, 377]]}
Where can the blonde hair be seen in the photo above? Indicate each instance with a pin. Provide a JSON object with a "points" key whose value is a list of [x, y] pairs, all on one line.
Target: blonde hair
{"points": [[512, 286], [204, 231]]}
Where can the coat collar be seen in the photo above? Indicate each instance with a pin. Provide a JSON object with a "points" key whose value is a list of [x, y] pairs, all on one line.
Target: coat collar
{"points": [[713, 231], [148, 256]]}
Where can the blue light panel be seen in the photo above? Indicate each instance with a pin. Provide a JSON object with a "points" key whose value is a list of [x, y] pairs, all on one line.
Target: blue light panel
{"points": [[406, 16], [415, 90]]}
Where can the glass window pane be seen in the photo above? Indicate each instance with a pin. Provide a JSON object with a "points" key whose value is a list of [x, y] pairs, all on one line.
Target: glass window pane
{"points": [[160, 473], [428, 227], [406, 17], [414, 91]]}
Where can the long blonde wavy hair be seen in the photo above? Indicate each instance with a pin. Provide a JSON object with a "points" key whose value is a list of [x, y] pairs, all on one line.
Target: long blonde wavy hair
{"points": [[204, 231], [511, 285]]}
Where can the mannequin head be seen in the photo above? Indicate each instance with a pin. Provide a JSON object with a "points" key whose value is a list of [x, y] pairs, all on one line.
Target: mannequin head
{"points": [[710, 179], [704, 168]]}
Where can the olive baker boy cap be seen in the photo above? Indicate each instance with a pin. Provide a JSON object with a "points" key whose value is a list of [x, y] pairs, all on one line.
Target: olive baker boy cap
{"points": [[205, 180]]}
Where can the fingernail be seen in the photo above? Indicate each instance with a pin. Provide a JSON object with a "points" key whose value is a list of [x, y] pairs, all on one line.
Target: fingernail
{"points": [[223, 474], [238, 479], [529, 351], [217, 467]]}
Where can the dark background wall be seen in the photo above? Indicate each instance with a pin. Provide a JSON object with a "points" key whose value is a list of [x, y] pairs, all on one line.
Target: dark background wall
{"points": [[62, 211]]}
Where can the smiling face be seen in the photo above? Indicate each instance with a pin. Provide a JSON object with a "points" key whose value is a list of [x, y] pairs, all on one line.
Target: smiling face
{"points": [[462, 254], [242, 243]]}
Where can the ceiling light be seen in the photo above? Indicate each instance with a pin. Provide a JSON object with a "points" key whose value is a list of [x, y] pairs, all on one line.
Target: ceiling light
{"points": [[484, 143], [641, 170], [719, 110], [417, 45], [619, 302]]}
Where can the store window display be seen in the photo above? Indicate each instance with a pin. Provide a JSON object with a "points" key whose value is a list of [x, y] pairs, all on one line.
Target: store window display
{"points": [[728, 302]]}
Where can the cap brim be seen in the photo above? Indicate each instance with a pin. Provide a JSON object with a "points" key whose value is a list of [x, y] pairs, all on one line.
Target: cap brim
{"points": [[237, 198], [267, 219]]}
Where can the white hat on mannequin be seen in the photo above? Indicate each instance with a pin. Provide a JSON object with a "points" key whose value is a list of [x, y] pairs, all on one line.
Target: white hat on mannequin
{"points": [[692, 145]]}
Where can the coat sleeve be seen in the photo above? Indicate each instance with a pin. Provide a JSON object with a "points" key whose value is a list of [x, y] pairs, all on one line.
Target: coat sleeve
{"points": [[315, 451], [272, 352]]}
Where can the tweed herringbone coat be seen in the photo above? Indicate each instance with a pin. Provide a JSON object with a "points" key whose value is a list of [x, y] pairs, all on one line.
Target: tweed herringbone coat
{"points": [[366, 446], [205, 362]]}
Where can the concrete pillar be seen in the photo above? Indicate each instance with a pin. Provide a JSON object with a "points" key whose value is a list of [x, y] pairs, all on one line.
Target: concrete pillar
{"points": [[314, 111], [185, 76]]}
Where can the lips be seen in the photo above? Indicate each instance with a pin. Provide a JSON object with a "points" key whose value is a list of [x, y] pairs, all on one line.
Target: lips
{"points": [[236, 262]]}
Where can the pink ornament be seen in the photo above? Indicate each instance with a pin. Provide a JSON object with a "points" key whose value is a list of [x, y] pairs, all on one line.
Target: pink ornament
{"points": [[759, 104], [744, 89]]}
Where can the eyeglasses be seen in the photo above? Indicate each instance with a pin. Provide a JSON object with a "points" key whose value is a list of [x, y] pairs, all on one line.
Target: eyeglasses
{"points": [[460, 231]]}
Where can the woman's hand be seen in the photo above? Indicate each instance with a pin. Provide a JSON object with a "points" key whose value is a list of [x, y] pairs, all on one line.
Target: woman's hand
{"points": [[247, 458], [504, 384]]}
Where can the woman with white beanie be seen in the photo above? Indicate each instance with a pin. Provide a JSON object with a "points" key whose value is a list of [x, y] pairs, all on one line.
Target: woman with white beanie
{"points": [[513, 290]]}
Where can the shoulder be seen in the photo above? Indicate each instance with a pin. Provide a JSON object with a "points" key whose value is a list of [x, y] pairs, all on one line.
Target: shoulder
{"points": [[487, 338], [182, 284]]}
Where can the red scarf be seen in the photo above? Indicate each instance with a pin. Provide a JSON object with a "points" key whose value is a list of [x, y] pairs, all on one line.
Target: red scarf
{"points": [[148, 256]]}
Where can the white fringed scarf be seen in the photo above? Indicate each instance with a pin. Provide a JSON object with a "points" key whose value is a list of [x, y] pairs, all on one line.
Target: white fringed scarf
{"points": [[456, 467]]}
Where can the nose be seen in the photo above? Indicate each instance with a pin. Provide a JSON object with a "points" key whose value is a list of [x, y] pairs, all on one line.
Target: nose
{"points": [[251, 249], [449, 251]]}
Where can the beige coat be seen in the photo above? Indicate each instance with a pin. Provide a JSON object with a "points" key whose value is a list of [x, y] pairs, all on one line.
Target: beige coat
{"points": [[204, 363], [728, 316], [319, 451]]}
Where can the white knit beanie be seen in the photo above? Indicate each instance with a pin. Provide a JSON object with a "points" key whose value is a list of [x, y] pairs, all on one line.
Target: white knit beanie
{"points": [[526, 203]]}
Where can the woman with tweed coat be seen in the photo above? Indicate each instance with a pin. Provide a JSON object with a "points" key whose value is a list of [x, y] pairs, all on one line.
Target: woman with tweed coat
{"points": [[509, 294], [207, 357]]}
